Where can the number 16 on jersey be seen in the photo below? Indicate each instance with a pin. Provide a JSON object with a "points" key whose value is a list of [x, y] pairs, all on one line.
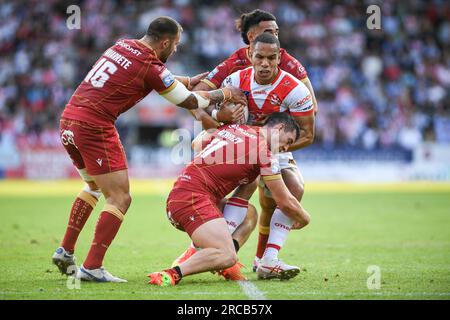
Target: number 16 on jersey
{"points": [[100, 73]]}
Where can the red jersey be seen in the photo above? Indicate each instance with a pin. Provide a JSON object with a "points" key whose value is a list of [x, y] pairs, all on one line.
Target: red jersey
{"points": [[240, 60], [124, 74], [234, 155]]}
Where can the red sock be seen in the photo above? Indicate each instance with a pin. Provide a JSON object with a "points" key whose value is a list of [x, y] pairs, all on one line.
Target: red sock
{"points": [[107, 226], [262, 242], [81, 210]]}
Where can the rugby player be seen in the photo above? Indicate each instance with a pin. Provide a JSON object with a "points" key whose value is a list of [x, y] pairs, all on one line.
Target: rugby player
{"points": [[269, 89], [123, 75], [251, 25], [232, 155]]}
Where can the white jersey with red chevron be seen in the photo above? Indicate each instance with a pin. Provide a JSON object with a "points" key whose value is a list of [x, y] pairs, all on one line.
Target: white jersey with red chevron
{"points": [[284, 94]]}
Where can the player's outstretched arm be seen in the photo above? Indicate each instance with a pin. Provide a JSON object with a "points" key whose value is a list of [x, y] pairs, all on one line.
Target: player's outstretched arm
{"points": [[182, 97], [224, 114], [287, 203], [191, 82], [202, 87]]}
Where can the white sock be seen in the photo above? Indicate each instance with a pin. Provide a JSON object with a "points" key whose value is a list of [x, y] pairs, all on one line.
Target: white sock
{"points": [[234, 212], [280, 225]]}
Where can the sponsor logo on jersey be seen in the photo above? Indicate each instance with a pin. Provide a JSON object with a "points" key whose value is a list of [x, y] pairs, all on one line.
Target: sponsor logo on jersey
{"points": [[167, 78], [260, 92], [286, 83], [240, 62], [305, 104], [99, 161], [185, 177], [301, 69], [129, 48]]}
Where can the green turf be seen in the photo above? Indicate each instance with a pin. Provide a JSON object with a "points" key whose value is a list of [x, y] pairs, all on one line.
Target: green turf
{"points": [[406, 234]]}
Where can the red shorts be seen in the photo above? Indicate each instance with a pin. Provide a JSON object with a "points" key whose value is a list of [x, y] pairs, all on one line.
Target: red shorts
{"points": [[96, 148], [188, 210]]}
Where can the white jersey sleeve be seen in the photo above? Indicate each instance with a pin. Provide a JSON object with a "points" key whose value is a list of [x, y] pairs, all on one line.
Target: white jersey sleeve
{"points": [[299, 101]]}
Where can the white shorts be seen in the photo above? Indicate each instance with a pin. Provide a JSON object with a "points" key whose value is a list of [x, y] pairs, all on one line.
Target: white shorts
{"points": [[286, 161]]}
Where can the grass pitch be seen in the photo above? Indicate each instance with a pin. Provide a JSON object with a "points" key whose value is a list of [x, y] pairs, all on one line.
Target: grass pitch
{"points": [[404, 230]]}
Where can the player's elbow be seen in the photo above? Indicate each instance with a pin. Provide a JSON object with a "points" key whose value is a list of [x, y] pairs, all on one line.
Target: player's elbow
{"points": [[190, 103], [309, 138]]}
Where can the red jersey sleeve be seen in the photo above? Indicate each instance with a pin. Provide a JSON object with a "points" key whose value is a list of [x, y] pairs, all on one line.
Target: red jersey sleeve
{"points": [[159, 78], [215, 78], [237, 61], [293, 66]]}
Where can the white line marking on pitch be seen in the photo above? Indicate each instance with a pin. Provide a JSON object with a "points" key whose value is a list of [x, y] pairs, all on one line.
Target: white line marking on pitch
{"points": [[251, 290]]}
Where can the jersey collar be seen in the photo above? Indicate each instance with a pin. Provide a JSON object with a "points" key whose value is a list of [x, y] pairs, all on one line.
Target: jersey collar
{"points": [[142, 43]]}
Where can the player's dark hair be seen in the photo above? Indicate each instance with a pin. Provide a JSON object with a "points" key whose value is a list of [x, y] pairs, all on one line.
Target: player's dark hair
{"points": [[267, 38], [163, 26], [286, 119], [248, 20]]}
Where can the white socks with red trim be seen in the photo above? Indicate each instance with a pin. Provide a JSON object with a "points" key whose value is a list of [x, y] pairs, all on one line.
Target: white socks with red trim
{"points": [[234, 212], [280, 225]]}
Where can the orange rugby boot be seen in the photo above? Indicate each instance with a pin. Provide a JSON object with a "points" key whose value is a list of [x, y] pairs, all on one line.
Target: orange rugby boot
{"points": [[165, 278], [233, 273]]}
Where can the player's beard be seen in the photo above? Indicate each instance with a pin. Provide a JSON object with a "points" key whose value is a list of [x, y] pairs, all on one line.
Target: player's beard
{"points": [[165, 55]]}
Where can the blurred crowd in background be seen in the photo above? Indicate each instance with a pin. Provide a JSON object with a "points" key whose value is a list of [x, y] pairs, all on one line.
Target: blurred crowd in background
{"points": [[375, 88]]}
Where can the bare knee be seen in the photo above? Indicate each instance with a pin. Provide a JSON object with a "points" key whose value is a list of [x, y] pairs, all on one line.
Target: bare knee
{"points": [[122, 201], [126, 201]]}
